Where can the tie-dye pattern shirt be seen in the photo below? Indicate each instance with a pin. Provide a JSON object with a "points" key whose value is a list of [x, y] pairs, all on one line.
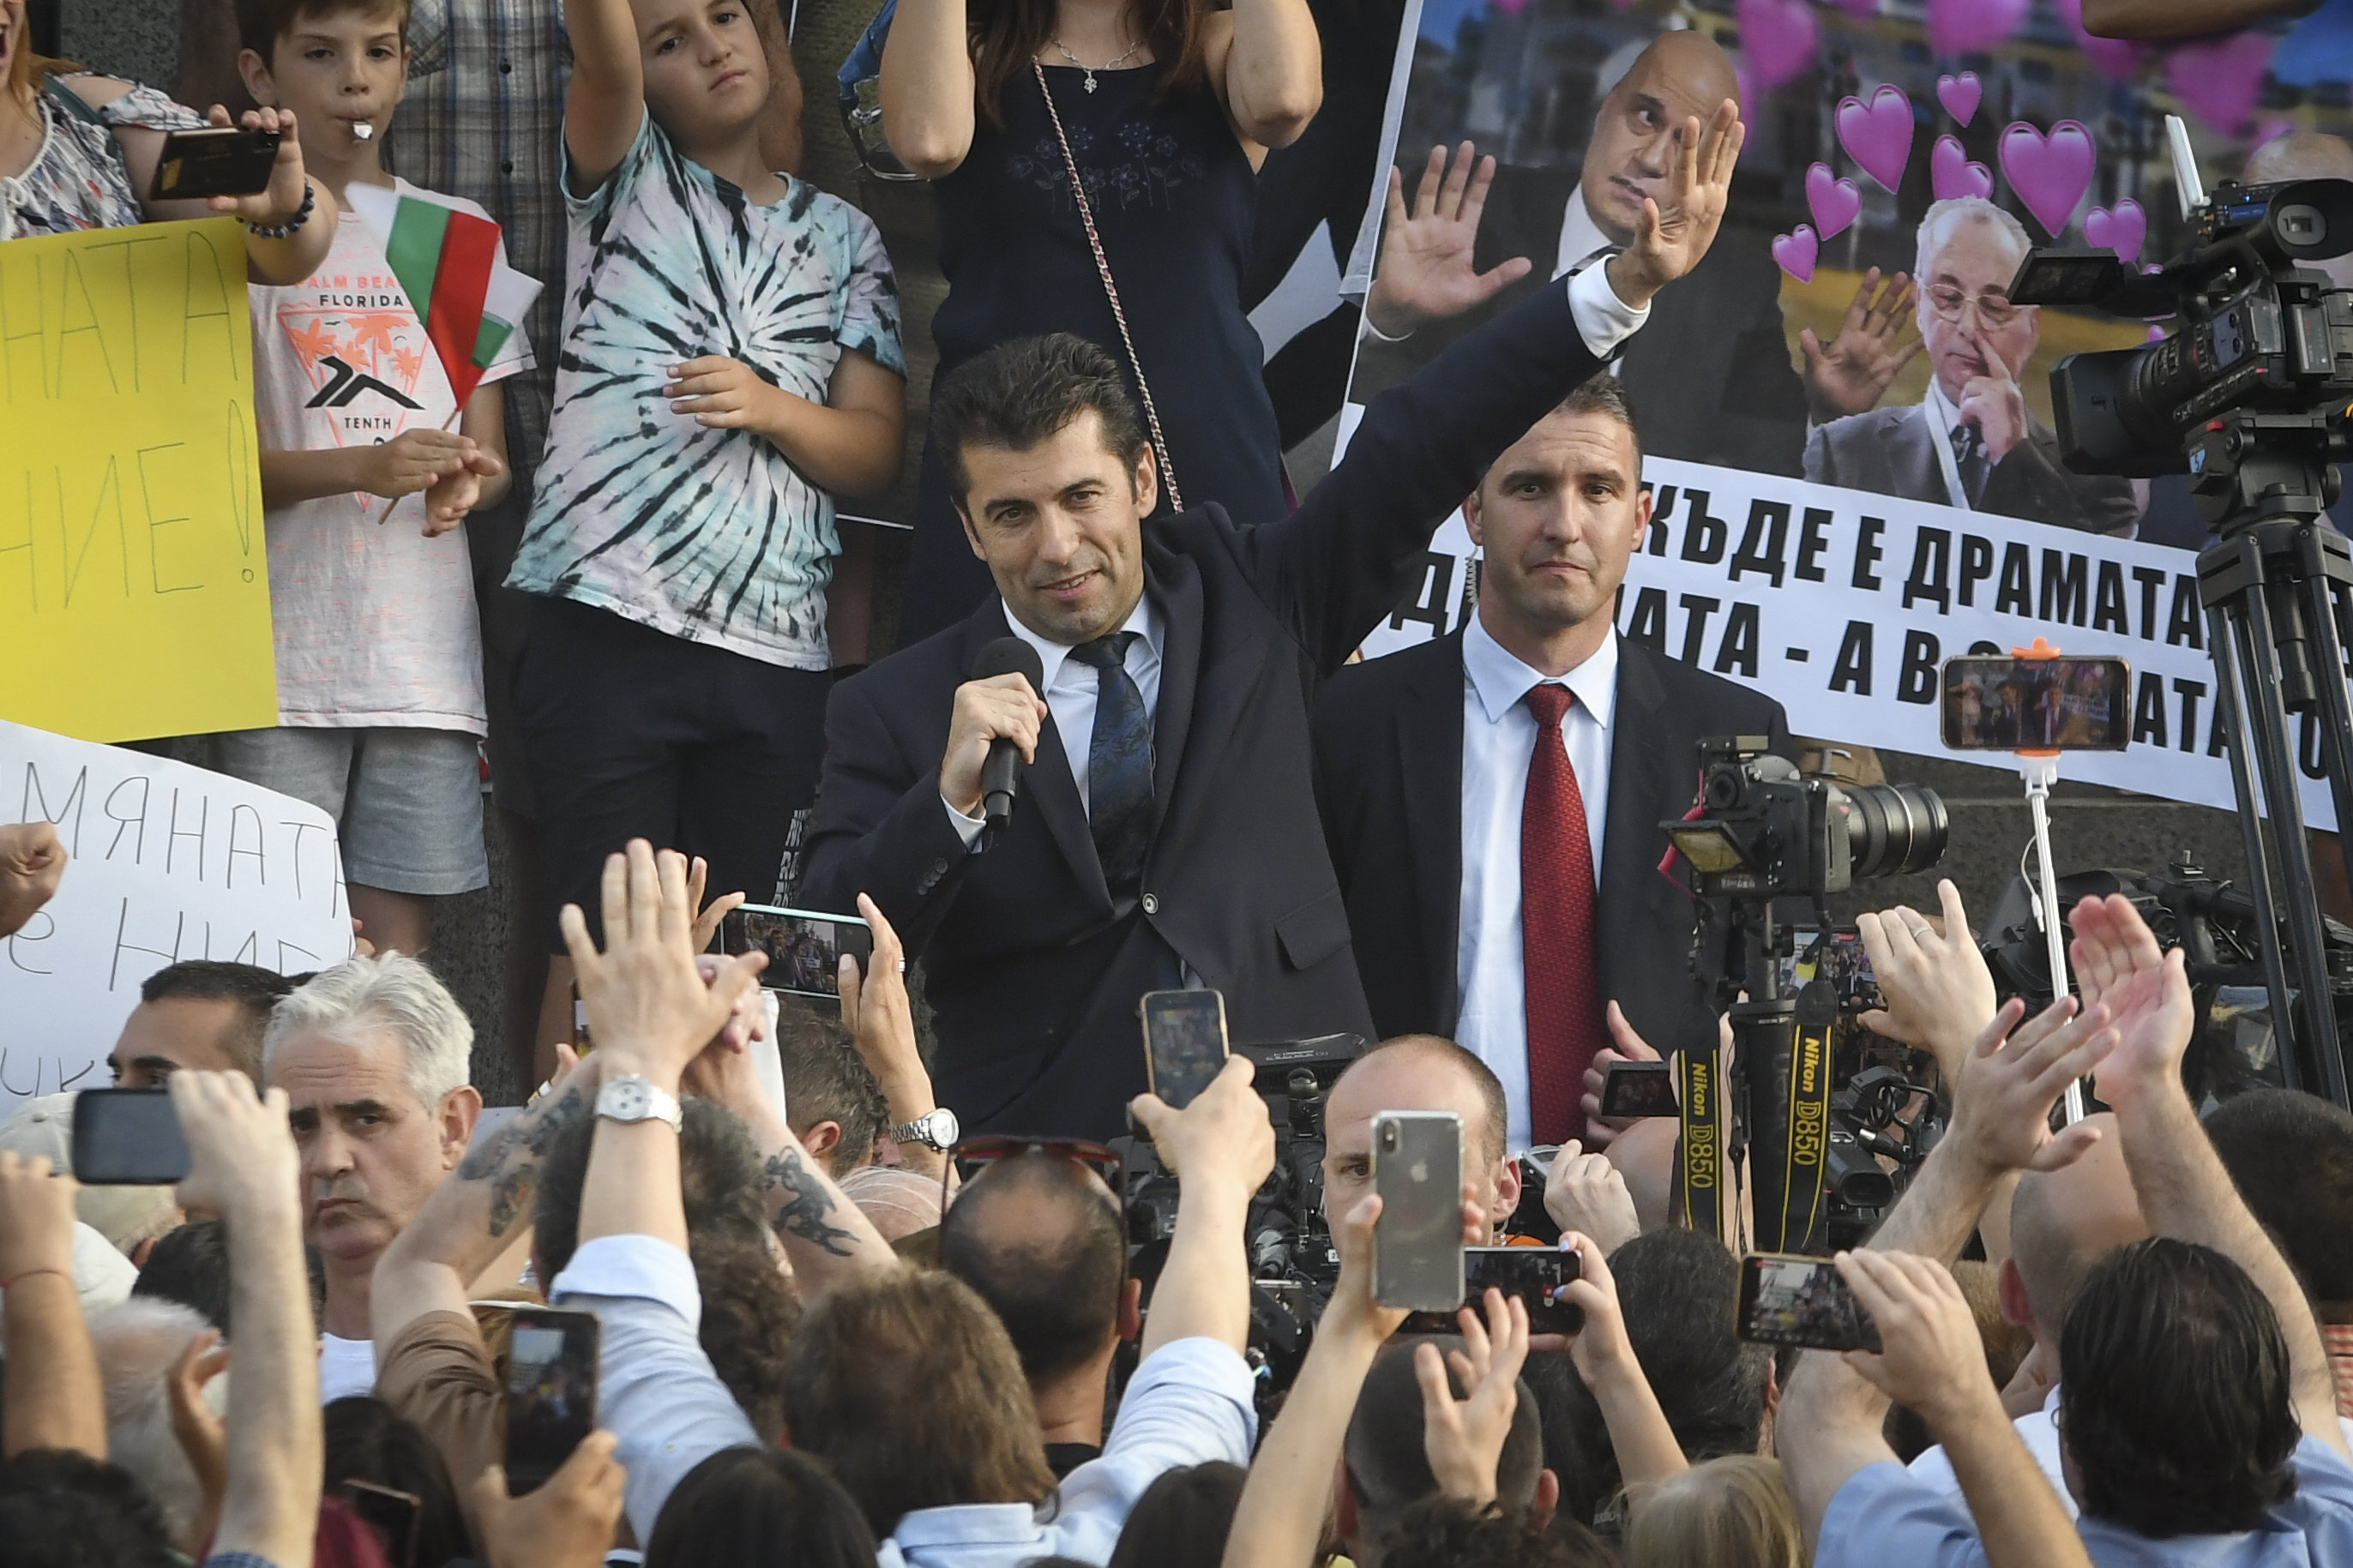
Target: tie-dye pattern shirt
{"points": [[708, 535]]}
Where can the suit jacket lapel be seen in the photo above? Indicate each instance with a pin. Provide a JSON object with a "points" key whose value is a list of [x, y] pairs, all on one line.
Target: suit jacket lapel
{"points": [[1176, 589], [1918, 470], [1430, 755], [1047, 786], [1642, 783]]}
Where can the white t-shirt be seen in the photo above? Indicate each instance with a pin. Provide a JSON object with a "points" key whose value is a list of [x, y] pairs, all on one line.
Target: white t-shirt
{"points": [[346, 1367], [374, 624]]}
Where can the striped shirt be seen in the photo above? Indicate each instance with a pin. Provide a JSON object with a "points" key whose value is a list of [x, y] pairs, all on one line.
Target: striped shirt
{"points": [[710, 535]]}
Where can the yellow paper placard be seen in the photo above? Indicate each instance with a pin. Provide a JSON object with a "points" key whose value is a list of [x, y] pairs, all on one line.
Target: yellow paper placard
{"points": [[134, 577]]}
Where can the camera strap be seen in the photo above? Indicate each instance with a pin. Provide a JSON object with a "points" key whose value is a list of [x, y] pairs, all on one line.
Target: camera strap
{"points": [[1699, 1100], [1802, 1222]]}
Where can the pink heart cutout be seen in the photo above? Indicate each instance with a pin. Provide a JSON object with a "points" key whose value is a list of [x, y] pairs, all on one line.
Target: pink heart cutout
{"points": [[2051, 172], [2218, 80], [1950, 172], [1776, 36], [2122, 229], [1833, 203], [2113, 58], [1878, 135], [1968, 26], [1796, 253], [1960, 95]]}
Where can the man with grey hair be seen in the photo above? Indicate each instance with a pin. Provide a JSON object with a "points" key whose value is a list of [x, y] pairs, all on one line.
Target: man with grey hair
{"points": [[373, 1056], [138, 1343], [1971, 443]]}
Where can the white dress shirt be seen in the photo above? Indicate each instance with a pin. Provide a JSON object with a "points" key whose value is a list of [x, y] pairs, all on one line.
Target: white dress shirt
{"points": [[1071, 689], [1942, 418], [1603, 320], [1499, 738], [1582, 247], [1190, 1402]]}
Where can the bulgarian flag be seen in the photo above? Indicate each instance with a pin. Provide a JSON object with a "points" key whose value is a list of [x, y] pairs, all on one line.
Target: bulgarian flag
{"points": [[447, 260]]}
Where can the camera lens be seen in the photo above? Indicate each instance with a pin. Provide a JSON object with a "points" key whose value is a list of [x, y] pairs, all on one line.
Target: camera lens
{"points": [[1892, 829]]}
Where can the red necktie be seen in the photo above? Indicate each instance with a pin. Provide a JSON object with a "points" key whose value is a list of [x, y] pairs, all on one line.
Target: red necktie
{"points": [[1556, 950]]}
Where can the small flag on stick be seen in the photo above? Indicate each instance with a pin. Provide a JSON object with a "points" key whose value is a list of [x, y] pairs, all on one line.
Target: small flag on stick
{"points": [[447, 263]]}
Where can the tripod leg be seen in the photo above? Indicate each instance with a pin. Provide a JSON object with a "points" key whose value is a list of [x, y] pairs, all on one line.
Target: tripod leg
{"points": [[2219, 635], [2325, 606]]}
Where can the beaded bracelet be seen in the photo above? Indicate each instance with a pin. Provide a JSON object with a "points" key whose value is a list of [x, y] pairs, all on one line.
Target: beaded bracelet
{"points": [[283, 230]]}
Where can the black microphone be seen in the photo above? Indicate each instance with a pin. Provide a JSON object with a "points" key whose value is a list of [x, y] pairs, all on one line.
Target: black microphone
{"points": [[1000, 777]]}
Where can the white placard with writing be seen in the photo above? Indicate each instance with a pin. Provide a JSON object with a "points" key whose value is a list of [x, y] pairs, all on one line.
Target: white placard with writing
{"points": [[168, 862]]}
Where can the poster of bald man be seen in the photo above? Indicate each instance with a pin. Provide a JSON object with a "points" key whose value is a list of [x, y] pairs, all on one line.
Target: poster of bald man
{"points": [[1853, 326]]}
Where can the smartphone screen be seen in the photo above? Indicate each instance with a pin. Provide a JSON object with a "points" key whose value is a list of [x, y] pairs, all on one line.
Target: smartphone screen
{"points": [[391, 1514], [551, 1392], [804, 947], [1996, 704], [1638, 1089], [1417, 1240], [127, 1137], [1787, 1298], [1183, 1043], [214, 160], [1534, 1274], [1840, 958]]}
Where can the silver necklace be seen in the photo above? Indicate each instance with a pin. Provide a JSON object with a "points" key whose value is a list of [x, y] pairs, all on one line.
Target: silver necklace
{"points": [[1089, 70]]}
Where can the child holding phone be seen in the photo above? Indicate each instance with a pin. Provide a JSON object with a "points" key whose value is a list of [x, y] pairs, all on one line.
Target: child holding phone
{"points": [[731, 363]]}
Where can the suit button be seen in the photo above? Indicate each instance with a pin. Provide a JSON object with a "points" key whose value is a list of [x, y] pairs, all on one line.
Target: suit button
{"points": [[1151, 903], [939, 867]]}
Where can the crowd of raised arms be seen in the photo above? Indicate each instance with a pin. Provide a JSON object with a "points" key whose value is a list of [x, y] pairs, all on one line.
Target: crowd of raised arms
{"points": [[754, 1280]]}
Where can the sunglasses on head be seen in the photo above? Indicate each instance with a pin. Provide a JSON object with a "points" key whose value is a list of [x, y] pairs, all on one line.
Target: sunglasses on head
{"points": [[972, 1156]]}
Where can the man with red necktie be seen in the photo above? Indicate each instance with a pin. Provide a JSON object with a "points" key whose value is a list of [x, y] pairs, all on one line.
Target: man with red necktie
{"points": [[1492, 799]]}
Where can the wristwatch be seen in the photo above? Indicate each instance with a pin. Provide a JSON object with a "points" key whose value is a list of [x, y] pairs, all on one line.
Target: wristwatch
{"points": [[934, 1129], [635, 1099]]}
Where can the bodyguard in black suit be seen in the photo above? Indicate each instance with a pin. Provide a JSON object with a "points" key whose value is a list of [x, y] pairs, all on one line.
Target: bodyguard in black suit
{"points": [[1194, 852], [1711, 370], [1412, 747]]}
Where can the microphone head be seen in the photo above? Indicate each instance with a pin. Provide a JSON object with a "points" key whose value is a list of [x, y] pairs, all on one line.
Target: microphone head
{"points": [[1010, 656]]}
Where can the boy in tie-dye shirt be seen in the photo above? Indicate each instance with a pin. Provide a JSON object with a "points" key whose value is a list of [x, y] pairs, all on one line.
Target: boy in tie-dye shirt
{"points": [[731, 361]]}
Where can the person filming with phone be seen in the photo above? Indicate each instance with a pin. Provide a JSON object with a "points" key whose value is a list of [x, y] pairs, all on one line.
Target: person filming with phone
{"points": [[1166, 831]]}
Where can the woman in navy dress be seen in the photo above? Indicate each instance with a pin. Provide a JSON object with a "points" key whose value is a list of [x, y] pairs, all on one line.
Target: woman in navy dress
{"points": [[1169, 107]]}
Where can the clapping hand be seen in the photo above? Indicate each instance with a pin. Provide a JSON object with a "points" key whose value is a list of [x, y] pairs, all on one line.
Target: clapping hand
{"points": [[1671, 236], [1939, 993], [1852, 372], [1464, 1438], [2013, 1075], [1426, 271], [2144, 992]]}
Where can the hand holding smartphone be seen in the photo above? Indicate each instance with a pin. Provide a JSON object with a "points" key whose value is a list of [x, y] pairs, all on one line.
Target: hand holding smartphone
{"points": [[1789, 1298], [214, 161], [1418, 1239], [551, 1392], [1631, 1089], [1534, 1274], [1183, 1043], [804, 946]]}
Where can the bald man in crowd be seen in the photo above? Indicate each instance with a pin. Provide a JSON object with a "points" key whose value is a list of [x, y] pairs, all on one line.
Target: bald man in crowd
{"points": [[1420, 1072], [1711, 373]]}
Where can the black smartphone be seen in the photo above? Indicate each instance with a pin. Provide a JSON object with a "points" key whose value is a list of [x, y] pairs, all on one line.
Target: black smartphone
{"points": [[1996, 704], [551, 1392], [1534, 1274], [1788, 1298], [1183, 1043], [804, 946], [1638, 1089], [391, 1514], [216, 160], [127, 1137]]}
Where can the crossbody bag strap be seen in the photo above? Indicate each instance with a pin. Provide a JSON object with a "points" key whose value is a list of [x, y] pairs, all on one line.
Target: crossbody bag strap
{"points": [[1102, 269]]}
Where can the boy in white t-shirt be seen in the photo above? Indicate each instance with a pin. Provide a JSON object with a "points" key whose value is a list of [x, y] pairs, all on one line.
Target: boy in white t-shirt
{"points": [[379, 652]]}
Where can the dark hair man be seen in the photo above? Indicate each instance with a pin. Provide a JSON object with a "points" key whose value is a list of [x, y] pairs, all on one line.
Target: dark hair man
{"points": [[1502, 890], [199, 1012], [1041, 1240], [2291, 1157], [832, 1099], [1167, 826]]}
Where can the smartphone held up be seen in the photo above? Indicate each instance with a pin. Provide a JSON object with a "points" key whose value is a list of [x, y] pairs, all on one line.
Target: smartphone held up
{"points": [[551, 1401], [1788, 1298], [1185, 1044], [805, 947]]}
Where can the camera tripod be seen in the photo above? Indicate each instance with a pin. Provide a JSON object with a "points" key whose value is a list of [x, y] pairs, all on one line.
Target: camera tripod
{"points": [[2278, 594]]}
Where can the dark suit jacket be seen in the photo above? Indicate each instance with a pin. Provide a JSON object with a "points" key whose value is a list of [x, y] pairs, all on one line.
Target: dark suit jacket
{"points": [[1032, 971], [1389, 774], [1709, 377], [1892, 451]]}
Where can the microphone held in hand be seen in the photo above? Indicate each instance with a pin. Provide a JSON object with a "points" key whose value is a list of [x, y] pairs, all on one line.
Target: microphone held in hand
{"points": [[1000, 777]]}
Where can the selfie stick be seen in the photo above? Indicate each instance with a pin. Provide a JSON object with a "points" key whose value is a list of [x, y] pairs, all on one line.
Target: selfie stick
{"points": [[2040, 770]]}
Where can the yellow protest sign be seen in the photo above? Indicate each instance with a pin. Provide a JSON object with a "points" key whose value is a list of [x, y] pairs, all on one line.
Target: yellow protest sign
{"points": [[134, 577]]}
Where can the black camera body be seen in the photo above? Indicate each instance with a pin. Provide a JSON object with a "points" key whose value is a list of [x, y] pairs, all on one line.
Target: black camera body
{"points": [[1766, 832]]}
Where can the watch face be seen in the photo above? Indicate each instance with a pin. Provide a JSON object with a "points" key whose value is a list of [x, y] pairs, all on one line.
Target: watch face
{"points": [[625, 1099], [943, 1127]]}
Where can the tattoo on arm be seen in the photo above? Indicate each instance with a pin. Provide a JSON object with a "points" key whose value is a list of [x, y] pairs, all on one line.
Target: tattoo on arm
{"points": [[800, 1205], [510, 1161]]}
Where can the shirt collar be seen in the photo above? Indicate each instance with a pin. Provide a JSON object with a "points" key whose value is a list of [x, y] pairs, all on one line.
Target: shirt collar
{"points": [[1051, 656], [968, 1524], [1580, 237], [1501, 680]]}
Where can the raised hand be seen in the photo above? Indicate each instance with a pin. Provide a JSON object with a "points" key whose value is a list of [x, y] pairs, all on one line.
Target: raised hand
{"points": [[1931, 1358], [276, 203], [1426, 272], [32, 863], [1352, 1308], [1225, 1133], [1939, 993], [567, 1523], [1464, 1438], [2003, 1095], [2145, 990], [1587, 1192], [1852, 372], [1626, 1046], [707, 917], [242, 1163], [1672, 235]]}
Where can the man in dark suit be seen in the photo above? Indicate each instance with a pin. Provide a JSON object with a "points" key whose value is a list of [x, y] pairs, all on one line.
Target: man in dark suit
{"points": [[1712, 370], [1493, 798], [1970, 442], [1166, 832]]}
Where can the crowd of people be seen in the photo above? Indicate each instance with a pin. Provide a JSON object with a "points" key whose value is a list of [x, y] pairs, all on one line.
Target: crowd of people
{"points": [[878, 1296]]}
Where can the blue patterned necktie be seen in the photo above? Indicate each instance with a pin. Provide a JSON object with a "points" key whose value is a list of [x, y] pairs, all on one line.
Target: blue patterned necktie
{"points": [[1969, 457], [1119, 764]]}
